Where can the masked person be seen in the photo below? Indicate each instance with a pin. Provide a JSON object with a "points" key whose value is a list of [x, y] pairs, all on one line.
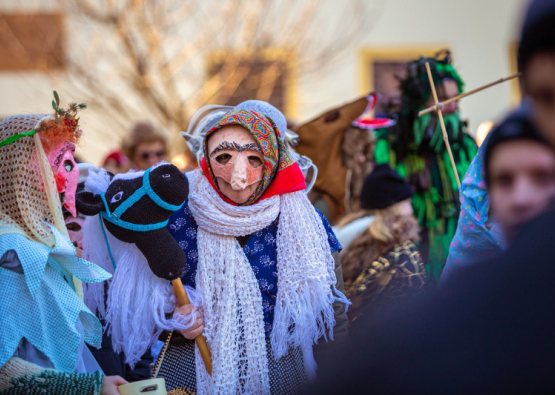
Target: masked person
{"points": [[382, 264], [263, 260], [44, 320], [415, 148]]}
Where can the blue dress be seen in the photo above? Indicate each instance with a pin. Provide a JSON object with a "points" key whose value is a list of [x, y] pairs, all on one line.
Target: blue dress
{"points": [[260, 249]]}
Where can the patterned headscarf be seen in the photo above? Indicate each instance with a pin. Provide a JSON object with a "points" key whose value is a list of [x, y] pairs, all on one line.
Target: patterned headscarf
{"points": [[277, 160]]}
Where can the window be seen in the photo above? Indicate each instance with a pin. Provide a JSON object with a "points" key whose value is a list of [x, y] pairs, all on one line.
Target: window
{"points": [[265, 75], [380, 66], [31, 41]]}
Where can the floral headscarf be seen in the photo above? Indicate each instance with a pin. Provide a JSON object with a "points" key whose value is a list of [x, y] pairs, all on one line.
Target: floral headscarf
{"points": [[281, 173]]}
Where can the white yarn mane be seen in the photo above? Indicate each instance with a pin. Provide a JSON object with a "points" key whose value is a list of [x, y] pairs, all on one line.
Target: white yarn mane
{"points": [[98, 180], [233, 315]]}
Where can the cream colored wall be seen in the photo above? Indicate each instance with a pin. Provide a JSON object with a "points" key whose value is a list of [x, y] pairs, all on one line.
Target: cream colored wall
{"points": [[479, 32]]}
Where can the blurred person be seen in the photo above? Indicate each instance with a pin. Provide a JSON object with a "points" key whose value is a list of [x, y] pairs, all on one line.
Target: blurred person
{"points": [[145, 145], [383, 263], [491, 329], [343, 155], [511, 180], [536, 61], [116, 162], [358, 149], [520, 173]]}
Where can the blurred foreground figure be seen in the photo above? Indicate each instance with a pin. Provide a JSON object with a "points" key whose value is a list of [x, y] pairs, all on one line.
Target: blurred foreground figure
{"points": [[490, 329], [515, 170], [146, 145], [536, 60], [520, 173]]}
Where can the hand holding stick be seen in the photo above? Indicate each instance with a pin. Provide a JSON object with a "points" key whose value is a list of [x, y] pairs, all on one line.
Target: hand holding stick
{"points": [[183, 300]]}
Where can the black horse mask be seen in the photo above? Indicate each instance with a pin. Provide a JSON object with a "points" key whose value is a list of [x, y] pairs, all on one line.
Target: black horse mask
{"points": [[136, 210]]}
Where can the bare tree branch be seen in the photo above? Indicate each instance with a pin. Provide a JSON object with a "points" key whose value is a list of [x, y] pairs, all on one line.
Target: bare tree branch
{"points": [[162, 59]]}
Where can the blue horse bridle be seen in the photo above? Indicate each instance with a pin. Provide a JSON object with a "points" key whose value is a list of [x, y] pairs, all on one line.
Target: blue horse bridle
{"points": [[145, 189], [114, 217]]}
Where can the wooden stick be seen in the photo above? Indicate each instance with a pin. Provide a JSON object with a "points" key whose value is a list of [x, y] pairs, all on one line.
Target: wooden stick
{"points": [[439, 105], [200, 340], [443, 129]]}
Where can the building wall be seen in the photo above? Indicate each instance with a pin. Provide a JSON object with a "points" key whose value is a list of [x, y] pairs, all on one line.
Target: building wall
{"points": [[479, 33]]}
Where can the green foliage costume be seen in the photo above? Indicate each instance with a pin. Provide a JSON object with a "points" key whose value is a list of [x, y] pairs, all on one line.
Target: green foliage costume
{"points": [[415, 148]]}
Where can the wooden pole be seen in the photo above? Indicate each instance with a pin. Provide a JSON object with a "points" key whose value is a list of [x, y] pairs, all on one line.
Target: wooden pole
{"points": [[200, 340], [437, 106], [443, 129]]}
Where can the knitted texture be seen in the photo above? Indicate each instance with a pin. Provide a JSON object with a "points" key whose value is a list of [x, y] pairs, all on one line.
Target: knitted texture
{"points": [[30, 379], [28, 195], [233, 315], [16, 367], [29, 199]]}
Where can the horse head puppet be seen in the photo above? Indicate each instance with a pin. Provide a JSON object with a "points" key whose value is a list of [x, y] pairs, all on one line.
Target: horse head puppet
{"points": [[125, 233]]}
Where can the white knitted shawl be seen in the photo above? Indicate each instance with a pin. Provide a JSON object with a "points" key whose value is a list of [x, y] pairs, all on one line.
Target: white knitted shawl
{"points": [[232, 302]]}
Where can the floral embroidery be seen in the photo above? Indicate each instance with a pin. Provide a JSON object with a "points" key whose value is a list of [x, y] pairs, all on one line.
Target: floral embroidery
{"points": [[270, 239], [264, 285], [193, 255], [266, 262], [178, 224], [191, 232], [267, 306]]}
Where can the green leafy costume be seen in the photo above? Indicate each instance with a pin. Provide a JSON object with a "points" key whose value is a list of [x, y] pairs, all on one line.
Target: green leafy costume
{"points": [[415, 148]]}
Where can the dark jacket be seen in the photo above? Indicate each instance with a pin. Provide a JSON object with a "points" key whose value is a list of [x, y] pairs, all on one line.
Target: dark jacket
{"points": [[490, 329]]}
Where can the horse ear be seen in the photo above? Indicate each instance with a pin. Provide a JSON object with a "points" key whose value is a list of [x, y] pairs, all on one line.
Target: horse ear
{"points": [[88, 203]]}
